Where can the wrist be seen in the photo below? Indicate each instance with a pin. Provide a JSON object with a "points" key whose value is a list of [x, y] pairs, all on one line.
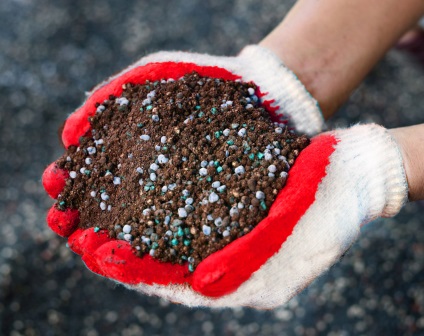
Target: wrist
{"points": [[411, 144]]}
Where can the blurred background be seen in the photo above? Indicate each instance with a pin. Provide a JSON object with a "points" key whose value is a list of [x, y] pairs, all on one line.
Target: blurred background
{"points": [[51, 52]]}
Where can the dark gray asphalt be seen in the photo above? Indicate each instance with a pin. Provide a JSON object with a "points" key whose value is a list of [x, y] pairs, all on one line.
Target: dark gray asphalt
{"points": [[53, 51]]}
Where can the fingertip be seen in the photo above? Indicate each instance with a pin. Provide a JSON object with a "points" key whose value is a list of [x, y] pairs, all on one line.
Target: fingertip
{"points": [[76, 126], [207, 282], [116, 260], [54, 180], [74, 241], [87, 241], [64, 222]]}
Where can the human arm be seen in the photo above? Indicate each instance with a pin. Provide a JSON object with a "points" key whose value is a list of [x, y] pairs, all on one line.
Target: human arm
{"points": [[331, 45]]}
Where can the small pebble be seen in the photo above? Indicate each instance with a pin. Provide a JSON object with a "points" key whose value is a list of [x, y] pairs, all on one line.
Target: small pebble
{"points": [[234, 211], [146, 101], [127, 228], [100, 108], [203, 172], [145, 137], [146, 212], [103, 205], [221, 188], [72, 174], [241, 132], [260, 195], [116, 180], [182, 212], [213, 197], [151, 94], [239, 170], [185, 192], [218, 221], [162, 159], [88, 161], [91, 150], [121, 101], [206, 230], [216, 184], [204, 164], [283, 174], [145, 240], [272, 168]]}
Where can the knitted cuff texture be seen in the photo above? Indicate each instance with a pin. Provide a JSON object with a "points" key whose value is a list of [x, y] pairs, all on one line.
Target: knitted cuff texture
{"points": [[375, 165]]}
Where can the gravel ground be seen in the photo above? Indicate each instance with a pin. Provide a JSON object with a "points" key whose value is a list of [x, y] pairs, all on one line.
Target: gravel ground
{"points": [[53, 51]]}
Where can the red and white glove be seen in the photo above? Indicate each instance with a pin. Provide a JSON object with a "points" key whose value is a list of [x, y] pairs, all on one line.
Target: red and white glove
{"points": [[341, 181]]}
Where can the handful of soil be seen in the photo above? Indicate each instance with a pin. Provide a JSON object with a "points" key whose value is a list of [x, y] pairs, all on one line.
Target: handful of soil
{"points": [[179, 168]]}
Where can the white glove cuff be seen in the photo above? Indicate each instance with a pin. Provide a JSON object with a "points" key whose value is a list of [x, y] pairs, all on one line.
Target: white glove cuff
{"points": [[377, 167]]}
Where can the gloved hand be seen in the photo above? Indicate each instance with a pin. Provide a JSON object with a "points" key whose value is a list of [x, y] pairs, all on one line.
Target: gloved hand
{"points": [[342, 180]]}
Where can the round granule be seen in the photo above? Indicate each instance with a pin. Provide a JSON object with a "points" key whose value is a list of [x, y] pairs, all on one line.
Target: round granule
{"points": [[179, 168]]}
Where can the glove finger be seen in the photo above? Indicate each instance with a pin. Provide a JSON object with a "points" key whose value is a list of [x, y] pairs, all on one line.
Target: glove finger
{"points": [[62, 222], [119, 262], [54, 180], [85, 243]]}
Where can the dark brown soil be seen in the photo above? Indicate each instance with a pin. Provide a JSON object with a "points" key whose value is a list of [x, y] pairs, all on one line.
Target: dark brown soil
{"points": [[179, 168]]}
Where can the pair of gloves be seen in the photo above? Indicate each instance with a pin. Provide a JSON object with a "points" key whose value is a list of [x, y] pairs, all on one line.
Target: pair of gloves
{"points": [[342, 180]]}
